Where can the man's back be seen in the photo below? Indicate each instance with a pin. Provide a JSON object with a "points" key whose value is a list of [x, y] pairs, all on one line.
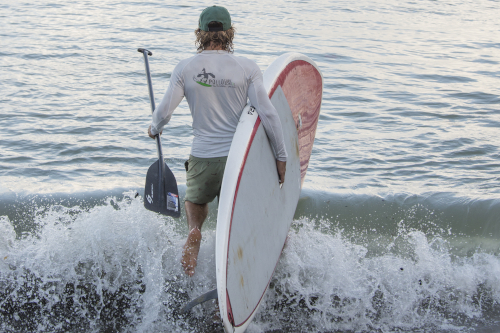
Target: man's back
{"points": [[217, 85]]}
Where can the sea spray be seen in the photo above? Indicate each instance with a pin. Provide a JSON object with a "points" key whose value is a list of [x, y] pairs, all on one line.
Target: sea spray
{"points": [[112, 265], [93, 269], [326, 282]]}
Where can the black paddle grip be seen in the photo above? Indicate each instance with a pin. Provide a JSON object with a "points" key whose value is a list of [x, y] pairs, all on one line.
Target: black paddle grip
{"points": [[140, 50]]}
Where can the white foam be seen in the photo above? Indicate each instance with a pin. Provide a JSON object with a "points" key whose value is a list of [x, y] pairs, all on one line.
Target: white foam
{"points": [[326, 282], [7, 238], [326, 279]]}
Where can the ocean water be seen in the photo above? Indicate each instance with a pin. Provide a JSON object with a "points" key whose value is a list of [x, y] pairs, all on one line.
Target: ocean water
{"points": [[398, 225]]}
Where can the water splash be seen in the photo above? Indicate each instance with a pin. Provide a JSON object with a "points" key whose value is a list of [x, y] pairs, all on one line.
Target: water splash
{"points": [[114, 266], [329, 283]]}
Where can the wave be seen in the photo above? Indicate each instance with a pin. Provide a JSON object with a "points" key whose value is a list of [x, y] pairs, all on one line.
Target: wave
{"points": [[352, 263]]}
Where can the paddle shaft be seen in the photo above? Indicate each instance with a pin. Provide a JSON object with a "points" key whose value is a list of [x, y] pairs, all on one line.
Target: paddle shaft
{"points": [[161, 171]]}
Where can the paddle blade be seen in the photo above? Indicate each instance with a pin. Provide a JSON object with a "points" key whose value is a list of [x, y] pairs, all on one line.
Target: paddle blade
{"points": [[161, 195], [212, 294]]}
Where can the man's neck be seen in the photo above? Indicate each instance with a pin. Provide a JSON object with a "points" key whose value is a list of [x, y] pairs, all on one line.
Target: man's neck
{"points": [[212, 47]]}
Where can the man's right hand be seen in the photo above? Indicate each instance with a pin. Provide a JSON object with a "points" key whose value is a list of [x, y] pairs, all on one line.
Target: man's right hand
{"points": [[281, 166], [151, 135]]}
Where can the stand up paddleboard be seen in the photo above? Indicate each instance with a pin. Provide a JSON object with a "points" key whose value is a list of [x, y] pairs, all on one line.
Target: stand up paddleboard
{"points": [[254, 212]]}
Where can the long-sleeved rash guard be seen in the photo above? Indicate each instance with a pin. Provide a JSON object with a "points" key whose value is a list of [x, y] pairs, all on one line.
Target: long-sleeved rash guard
{"points": [[216, 85]]}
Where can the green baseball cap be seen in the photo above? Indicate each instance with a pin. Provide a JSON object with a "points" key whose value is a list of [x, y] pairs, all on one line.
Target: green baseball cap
{"points": [[215, 14]]}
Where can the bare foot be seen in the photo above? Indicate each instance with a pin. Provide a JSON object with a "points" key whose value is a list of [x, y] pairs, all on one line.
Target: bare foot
{"points": [[190, 252]]}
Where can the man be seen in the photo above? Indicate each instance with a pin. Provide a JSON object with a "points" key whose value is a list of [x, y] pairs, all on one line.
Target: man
{"points": [[216, 85]]}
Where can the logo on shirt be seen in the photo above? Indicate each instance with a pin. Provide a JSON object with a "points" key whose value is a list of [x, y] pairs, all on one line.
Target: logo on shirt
{"points": [[208, 80]]}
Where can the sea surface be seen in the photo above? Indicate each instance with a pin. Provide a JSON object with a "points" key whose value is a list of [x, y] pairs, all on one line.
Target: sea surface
{"points": [[398, 225]]}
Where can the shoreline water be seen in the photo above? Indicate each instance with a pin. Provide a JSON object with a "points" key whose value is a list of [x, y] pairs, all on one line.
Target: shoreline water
{"points": [[68, 256]]}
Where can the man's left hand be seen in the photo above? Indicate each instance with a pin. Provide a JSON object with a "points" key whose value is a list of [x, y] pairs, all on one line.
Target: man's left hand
{"points": [[281, 166]]}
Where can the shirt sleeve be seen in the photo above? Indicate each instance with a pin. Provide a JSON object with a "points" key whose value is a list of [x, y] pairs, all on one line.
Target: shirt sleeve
{"points": [[173, 96], [267, 113]]}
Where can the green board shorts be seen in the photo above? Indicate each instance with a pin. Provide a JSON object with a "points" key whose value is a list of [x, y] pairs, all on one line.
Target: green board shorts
{"points": [[204, 178]]}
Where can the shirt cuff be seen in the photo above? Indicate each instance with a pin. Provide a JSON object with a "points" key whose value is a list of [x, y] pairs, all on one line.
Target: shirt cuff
{"points": [[154, 131]]}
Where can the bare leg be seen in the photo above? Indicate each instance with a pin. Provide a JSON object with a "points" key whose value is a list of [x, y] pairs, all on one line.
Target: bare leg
{"points": [[196, 215]]}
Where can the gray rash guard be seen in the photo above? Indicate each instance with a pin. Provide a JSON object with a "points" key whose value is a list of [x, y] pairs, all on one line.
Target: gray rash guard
{"points": [[216, 85]]}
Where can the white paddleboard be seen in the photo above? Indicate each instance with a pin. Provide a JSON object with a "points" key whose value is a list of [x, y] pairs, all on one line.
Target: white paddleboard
{"points": [[254, 213]]}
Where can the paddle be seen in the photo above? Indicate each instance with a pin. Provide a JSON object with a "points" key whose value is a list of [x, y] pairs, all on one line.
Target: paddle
{"points": [[160, 192]]}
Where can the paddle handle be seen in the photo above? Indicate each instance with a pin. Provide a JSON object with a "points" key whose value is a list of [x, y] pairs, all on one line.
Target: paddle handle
{"points": [[161, 170], [147, 53]]}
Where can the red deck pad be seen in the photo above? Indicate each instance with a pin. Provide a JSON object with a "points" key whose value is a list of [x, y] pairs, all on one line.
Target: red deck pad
{"points": [[302, 85]]}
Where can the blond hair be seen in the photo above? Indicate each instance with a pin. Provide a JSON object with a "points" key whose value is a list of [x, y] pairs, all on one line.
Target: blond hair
{"points": [[223, 39]]}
